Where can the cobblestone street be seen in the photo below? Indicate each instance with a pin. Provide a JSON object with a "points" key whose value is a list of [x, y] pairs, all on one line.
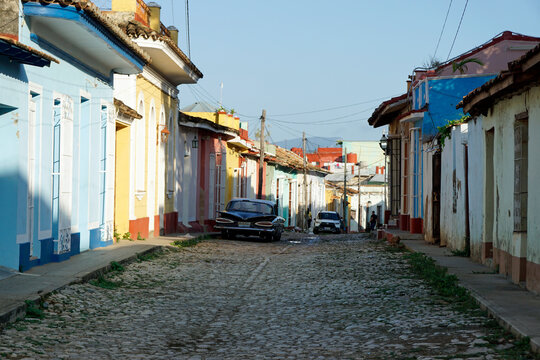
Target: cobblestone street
{"points": [[306, 297]]}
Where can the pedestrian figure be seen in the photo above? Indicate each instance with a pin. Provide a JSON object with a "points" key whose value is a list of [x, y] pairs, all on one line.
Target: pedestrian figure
{"points": [[373, 221], [309, 217]]}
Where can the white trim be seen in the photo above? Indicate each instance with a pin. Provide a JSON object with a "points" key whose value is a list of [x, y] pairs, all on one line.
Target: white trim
{"points": [[160, 45], [159, 81], [140, 194], [22, 238], [84, 94], [44, 234], [93, 225], [74, 228], [35, 88]]}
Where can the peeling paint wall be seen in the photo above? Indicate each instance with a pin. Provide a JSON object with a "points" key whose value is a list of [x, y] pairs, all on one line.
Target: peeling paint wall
{"points": [[427, 180], [501, 118], [475, 139], [453, 189]]}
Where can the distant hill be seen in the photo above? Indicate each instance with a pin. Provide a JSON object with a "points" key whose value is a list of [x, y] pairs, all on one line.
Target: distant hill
{"points": [[312, 144]]}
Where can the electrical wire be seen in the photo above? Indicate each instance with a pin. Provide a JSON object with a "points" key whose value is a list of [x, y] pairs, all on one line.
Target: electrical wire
{"points": [[187, 30], [457, 31], [442, 30]]}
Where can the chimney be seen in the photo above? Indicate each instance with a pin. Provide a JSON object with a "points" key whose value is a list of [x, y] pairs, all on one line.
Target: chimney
{"points": [[174, 34], [155, 21]]}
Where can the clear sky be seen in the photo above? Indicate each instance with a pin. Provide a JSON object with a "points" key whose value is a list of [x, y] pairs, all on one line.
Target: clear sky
{"points": [[296, 56]]}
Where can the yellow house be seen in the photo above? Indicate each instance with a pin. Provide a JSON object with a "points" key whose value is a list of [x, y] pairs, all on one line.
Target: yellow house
{"points": [[153, 137]]}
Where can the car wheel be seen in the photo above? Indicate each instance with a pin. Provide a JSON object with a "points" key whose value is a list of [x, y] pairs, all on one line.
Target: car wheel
{"points": [[224, 234], [277, 236], [315, 231]]}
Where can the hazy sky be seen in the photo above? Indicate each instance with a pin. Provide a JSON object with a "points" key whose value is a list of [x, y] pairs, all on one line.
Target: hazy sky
{"points": [[295, 56]]}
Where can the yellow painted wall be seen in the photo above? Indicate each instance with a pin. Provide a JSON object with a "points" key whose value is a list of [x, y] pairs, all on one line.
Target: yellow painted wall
{"points": [[124, 5], [233, 161], [154, 95], [121, 186], [221, 119], [328, 195]]}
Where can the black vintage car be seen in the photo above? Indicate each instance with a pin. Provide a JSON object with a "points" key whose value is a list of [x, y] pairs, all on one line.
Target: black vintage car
{"points": [[250, 217]]}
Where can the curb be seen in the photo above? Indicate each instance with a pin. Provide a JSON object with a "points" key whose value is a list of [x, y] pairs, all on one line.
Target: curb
{"points": [[18, 311], [486, 306]]}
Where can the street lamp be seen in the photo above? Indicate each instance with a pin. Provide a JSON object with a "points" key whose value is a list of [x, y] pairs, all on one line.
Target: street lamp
{"points": [[383, 143]]}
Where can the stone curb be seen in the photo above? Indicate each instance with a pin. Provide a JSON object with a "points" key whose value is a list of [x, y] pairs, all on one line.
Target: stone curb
{"points": [[490, 308], [18, 311]]}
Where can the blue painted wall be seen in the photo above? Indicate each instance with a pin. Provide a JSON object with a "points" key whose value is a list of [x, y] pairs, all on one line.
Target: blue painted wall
{"points": [[19, 83], [13, 107], [444, 95]]}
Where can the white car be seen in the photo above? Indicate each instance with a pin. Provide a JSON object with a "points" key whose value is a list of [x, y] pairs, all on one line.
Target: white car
{"points": [[327, 221]]}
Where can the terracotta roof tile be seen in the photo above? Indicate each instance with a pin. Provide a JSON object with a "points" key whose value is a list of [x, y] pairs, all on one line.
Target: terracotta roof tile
{"points": [[124, 109], [514, 68], [135, 29], [27, 48], [93, 11]]}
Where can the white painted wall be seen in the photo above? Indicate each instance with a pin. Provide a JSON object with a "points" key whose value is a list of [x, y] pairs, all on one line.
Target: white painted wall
{"points": [[453, 189], [476, 186], [427, 198], [501, 117], [186, 176], [373, 194]]}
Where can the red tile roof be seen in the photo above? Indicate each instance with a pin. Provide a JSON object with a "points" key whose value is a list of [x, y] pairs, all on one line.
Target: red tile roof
{"points": [[135, 29], [25, 48], [93, 11], [521, 74]]}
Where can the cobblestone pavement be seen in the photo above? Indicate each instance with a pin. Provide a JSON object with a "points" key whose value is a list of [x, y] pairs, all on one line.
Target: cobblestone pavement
{"points": [[305, 297]]}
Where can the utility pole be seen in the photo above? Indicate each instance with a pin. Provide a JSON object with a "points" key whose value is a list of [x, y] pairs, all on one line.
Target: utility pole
{"points": [[345, 189], [305, 223], [261, 158]]}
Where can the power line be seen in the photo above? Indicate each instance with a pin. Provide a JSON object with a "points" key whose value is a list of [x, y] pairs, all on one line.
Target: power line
{"points": [[334, 108], [187, 29], [457, 31], [442, 30]]}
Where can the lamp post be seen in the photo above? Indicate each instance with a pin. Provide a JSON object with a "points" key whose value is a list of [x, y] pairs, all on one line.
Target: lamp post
{"points": [[383, 143]]}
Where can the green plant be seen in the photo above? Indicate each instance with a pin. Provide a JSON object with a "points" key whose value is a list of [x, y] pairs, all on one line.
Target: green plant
{"points": [[444, 284], [33, 311], [139, 236], [189, 242], [461, 66], [463, 253], [445, 131], [115, 266], [116, 234], [126, 236], [104, 283], [232, 112], [147, 257]]}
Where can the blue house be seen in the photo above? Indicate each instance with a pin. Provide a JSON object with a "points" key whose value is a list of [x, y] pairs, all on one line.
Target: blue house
{"points": [[434, 95], [57, 163]]}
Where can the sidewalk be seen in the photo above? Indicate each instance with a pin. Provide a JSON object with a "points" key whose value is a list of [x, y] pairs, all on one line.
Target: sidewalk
{"points": [[41, 280], [515, 308]]}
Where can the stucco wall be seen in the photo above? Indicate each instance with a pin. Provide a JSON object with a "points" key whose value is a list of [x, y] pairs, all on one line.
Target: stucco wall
{"points": [[476, 156], [186, 176], [427, 198], [453, 189], [502, 119]]}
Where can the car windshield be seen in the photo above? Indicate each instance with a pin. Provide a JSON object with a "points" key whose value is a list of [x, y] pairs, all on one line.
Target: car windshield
{"points": [[328, 216], [250, 206]]}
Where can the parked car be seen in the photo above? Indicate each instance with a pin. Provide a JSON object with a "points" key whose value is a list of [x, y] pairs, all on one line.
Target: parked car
{"points": [[250, 217], [327, 221]]}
